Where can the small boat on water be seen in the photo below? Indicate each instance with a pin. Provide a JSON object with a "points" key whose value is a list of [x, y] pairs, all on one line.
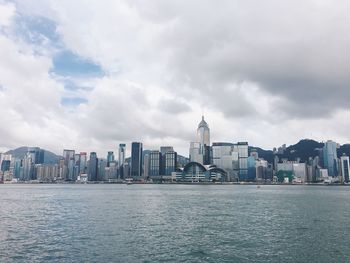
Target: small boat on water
{"points": [[128, 181]]}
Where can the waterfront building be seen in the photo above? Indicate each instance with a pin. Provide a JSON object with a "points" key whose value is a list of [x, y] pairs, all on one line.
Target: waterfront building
{"points": [[93, 167], [221, 149], [203, 133], [126, 171], [154, 158], [46, 173], [165, 149], [200, 149], [136, 160], [110, 158], [195, 153], [226, 157], [102, 164], [242, 149], [37, 154], [76, 167], [300, 172], [28, 167], [69, 162], [330, 158], [121, 154], [17, 163], [146, 166], [83, 163], [5, 165], [5, 157], [196, 172], [203, 137], [62, 170], [70, 169], [121, 159], [251, 176], [262, 168], [344, 168], [169, 162], [111, 172], [67, 155]]}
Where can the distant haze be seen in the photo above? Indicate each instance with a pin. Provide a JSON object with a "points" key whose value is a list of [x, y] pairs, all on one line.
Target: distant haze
{"points": [[88, 75]]}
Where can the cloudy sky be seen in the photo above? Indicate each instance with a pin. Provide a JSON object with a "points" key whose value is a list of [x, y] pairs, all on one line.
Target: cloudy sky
{"points": [[89, 74]]}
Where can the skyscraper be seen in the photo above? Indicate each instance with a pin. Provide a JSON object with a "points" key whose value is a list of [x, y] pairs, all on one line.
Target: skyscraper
{"points": [[67, 155], [169, 161], [344, 165], [69, 162], [154, 158], [164, 149], [101, 175], [38, 154], [121, 154], [28, 167], [136, 160], [330, 158], [93, 166], [242, 149], [110, 158], [200, 149], [121, 160], [195, 152], [203, 137], [203, 133], [226, 157], [83, 163]]}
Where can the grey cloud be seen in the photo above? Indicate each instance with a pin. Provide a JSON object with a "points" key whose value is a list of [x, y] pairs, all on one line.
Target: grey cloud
{"points": [[297, 53], [173, 106]]}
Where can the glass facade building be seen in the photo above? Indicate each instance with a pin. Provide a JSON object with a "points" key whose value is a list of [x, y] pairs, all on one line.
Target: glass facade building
{"points": [[136, 160]]}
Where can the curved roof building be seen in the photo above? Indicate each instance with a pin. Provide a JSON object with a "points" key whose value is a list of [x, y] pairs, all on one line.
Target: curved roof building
{"points": [[196, 172]]}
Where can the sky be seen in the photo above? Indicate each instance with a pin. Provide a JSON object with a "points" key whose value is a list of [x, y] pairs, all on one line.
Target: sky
{"points": [[90, 74]]}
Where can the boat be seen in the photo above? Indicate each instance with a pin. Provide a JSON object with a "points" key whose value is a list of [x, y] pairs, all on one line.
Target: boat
{"points": [[128, 181]]}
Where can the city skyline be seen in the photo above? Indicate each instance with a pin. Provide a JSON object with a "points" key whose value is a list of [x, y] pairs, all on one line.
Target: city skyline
{"points": [[307, 162], [267, 73]]}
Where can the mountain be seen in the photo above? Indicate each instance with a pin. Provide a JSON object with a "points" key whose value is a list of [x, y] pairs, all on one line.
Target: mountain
{"points": [[303, 149], [49, 157], [344, 149]]}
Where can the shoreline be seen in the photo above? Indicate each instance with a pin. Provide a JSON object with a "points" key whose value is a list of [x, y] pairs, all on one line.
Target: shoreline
{"points": [[171, 183]]}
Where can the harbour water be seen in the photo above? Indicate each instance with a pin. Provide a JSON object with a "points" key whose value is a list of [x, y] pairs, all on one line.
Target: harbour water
{"points": [[174, 223]]}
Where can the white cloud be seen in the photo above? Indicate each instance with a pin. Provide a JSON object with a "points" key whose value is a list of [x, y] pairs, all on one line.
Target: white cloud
{"points": [[264, 72], [7, 11]]}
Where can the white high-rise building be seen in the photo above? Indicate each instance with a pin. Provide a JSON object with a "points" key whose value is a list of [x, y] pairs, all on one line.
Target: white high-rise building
{"points": [[203, 133], [195, 152], [200, 149]]}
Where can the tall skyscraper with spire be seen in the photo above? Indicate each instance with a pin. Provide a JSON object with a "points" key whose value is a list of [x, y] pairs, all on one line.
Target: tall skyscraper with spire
{"points": [[200, 150], [203, 133]]}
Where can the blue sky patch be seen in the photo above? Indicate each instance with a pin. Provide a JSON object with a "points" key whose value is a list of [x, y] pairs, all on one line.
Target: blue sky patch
{"points": [[73, 101], [66, 63], [37, 30], [70, 85]]}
